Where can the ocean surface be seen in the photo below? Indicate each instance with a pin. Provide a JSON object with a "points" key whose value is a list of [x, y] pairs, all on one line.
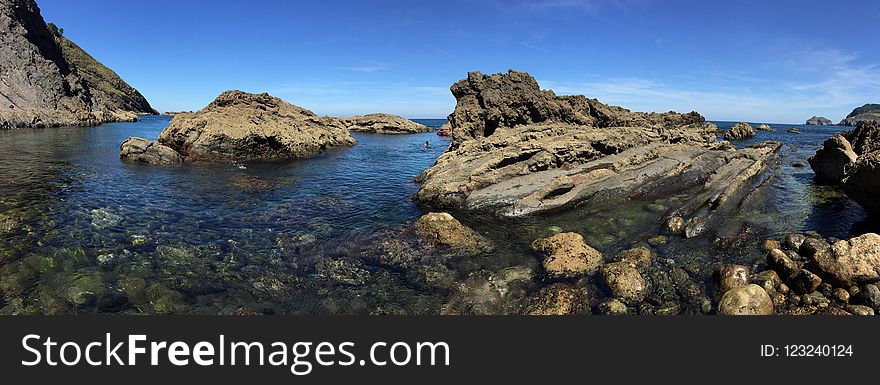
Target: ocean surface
{"points": [[83, 232]]}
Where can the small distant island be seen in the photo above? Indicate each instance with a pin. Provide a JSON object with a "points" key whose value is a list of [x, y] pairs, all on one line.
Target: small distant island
{"points": [[819, 121]]}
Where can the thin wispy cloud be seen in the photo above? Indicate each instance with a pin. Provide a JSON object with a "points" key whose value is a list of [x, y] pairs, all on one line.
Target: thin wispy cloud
{"points": [[366, 68]]}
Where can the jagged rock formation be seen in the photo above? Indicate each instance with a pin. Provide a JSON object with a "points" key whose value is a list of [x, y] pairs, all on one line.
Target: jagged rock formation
{"points": [[242, 126], [819, 121], [852, 159], [867, 113], [740, 131], [518, 150], [46, 80], [383, 124]]}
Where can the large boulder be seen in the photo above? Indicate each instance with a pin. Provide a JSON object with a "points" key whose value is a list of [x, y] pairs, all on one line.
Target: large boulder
{"points": [[852, 262], [383, 124], [832, 159], [144, 151], [862, 183], [242, 126], [518, 150], [740, 131], [567, 255], [746, 300], [444, 230]]}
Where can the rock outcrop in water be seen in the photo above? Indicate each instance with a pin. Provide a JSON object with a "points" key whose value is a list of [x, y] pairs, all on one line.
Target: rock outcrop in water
{"points": [[852, 159], [517, 150], [832, 159], [740, 131], [242, 126], [141, 150], [47, 80], [819, 121], [383, 124], [867, 113]]}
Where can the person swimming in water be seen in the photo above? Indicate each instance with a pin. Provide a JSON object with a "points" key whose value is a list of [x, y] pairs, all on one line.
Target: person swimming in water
{"points": [[427, 144]]}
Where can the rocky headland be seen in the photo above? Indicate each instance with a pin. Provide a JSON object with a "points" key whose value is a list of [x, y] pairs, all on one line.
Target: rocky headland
{"points": [[518, 150], [819, 121], [867, 113], [852, 160], [49, 81], [242, 126], [380, 123]]}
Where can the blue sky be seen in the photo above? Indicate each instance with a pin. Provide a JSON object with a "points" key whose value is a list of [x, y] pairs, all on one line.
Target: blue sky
{"points": [[763, 61]]}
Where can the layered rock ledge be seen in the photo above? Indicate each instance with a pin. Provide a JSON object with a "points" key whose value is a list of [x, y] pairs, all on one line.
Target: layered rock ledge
{"points": [[242, 126], [518, 150], [383, 124]]}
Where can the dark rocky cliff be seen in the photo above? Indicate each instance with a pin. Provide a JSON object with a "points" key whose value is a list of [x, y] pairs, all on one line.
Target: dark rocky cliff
{"points": [[46, 80]]}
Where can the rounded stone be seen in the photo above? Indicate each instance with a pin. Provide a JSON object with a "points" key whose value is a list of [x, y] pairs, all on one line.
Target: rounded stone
{"points": [[746, 300]]}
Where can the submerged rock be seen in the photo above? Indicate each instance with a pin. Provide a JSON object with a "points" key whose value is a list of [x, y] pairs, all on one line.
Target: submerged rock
{"points": [[519, 150], [144, 151], [832, 159], [625, 282], [559, 299], [732, 276], [746, 300], [740, 131], [489, 293], [242, 126], [383, 124], [443, 229], [567, 255]]}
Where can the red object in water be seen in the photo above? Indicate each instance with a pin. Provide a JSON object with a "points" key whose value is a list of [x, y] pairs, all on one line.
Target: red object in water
{"points": [[443, 132]]}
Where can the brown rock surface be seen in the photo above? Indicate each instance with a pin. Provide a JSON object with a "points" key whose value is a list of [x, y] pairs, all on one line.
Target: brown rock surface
{"points": [[242, 126], [740, 131], [383, 124], [519, 150], [852, 262], [567, 255], [141, 150], [832, 159], [444, 229]]}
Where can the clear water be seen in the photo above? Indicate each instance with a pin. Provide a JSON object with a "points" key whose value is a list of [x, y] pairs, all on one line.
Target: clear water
{"points": [[81, 231]]}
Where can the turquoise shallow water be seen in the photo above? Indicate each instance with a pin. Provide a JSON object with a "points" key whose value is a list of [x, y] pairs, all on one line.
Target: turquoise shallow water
{"points": [[81, 231]]}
